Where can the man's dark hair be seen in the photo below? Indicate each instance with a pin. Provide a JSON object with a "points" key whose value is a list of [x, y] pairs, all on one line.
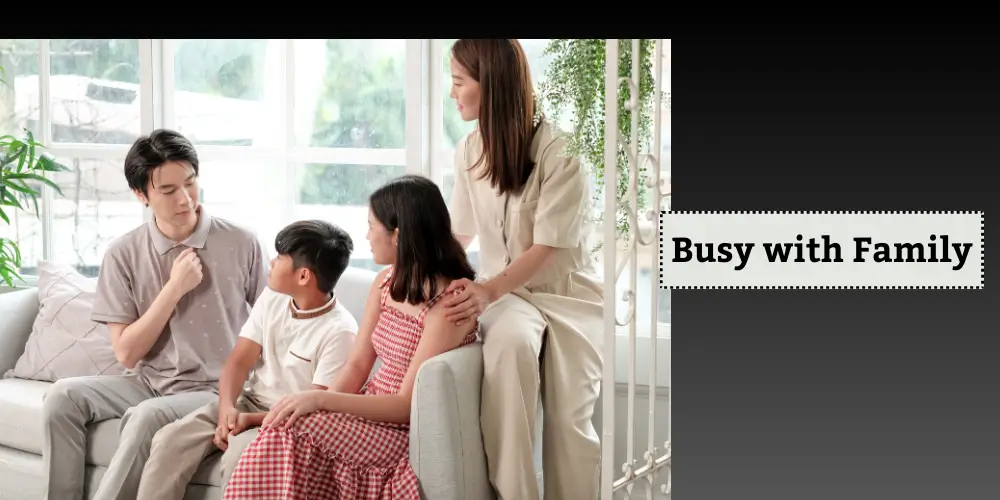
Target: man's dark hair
{"points": [[151, 151], [427, 248], [323, 248]]}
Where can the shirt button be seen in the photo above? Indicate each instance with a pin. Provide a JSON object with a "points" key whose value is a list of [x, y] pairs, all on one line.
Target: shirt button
{"points": [[499, 222]]}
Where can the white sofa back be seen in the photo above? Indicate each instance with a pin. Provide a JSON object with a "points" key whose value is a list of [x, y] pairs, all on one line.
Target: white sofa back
{"points": [[19, 308]]}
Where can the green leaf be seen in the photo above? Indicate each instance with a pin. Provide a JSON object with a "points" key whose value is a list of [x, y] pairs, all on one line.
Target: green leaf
{"points": [[31, 148], [48, 163], [37, 178], [22, 187], [8, 199]]}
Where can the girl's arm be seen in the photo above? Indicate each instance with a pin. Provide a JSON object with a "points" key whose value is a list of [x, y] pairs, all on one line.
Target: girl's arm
{"points": [[359, 365], [439, 336]]}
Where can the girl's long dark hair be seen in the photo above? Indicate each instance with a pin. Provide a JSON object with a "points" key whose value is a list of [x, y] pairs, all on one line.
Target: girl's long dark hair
{"points": [[427, 247]]}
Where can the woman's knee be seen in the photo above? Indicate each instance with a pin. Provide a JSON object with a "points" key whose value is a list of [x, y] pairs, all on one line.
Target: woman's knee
{"points": [[511, 342], [513, 330]]}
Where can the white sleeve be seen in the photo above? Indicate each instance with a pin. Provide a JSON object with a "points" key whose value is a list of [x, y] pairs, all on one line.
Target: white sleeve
{"points": [[333, 356], [253, 329]]}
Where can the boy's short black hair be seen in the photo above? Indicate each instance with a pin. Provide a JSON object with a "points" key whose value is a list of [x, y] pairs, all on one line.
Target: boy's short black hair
{"points": [[322, 247]]}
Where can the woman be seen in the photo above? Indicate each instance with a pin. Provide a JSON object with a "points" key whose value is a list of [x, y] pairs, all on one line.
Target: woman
{"points": [[527, 203], [351, 441]]}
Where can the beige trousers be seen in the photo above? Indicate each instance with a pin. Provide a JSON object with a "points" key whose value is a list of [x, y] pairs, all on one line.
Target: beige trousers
{"points": [[73, 403], [569, 315], [179, 449]]}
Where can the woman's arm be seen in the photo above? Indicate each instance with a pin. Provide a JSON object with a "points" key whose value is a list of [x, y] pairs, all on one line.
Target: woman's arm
{"points": [[439, 336], [518, 272], [559, 223], [359, 365]]}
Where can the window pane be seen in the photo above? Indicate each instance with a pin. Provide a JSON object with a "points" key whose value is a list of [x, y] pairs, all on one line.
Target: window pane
{"points": [[26, 230], [96, 207], [339, 193], [19, 95], [228, 92], [350, 93], [229, 192], [94, 90]]}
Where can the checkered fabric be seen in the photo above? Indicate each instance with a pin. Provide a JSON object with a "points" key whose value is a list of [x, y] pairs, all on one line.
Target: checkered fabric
{"points": [[338, 456]]}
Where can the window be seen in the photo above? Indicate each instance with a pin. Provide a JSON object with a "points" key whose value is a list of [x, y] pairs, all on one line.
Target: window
{"points": [[293, 129], [85, 107], [285, 129]]}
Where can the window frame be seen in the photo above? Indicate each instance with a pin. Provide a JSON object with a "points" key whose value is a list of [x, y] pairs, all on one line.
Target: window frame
{"points": [[424, 154]]}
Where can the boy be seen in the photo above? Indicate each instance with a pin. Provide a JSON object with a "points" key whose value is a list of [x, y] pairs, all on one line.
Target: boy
{"points": [[298, 338]]}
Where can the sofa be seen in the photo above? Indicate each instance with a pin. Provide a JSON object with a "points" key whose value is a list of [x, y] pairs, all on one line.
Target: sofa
{"points": [[446, 447]]}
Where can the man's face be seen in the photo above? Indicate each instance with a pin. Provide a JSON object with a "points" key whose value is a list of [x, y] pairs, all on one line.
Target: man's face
{"points": [[172, 194]]}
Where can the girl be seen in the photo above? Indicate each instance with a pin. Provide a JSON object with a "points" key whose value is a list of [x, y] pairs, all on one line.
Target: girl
{"points": [[352, 441]]}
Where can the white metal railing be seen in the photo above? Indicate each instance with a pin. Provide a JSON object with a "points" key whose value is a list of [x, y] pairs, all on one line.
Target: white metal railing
{"points": [[656, 460]]}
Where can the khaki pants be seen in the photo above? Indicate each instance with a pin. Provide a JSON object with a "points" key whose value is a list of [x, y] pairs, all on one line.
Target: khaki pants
{"points": [[72, 403], [569, 376], [180, 448]]}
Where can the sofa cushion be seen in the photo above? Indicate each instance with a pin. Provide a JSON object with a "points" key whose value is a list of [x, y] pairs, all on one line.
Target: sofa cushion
{"points": [[18, 310], [21, 422], [64, 342], [21, 418], [21, 429]]}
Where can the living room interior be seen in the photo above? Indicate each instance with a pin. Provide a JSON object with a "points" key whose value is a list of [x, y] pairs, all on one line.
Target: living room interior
{"points": [[289, 130]]}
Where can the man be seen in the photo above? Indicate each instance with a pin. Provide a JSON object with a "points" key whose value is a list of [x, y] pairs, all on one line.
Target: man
{"points": [[174, 294]]}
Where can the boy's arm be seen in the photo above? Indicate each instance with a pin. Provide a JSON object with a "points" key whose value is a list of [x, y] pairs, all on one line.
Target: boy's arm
{"points": [[236, 371], [244, 356]]}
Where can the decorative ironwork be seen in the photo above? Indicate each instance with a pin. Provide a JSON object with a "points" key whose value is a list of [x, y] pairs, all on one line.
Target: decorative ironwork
{"points": [[623, 256]]}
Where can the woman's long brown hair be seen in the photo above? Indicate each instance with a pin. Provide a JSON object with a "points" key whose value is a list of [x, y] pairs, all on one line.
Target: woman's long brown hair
{"points": [[506, 110]]}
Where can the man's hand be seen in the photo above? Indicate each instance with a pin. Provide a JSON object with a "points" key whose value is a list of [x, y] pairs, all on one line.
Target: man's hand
{"points": [[186, 271], [228, 420]]}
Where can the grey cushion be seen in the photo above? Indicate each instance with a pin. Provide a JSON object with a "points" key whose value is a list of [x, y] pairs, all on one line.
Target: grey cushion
{"points": [[64, 342], [446, 441], [18, 310]]}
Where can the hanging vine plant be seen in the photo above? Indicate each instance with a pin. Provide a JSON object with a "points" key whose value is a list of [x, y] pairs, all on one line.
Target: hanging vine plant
{"points": [[574, 81]]}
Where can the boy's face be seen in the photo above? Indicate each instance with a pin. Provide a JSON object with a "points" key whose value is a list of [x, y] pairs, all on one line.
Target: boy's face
{"points": [[284, 278]]}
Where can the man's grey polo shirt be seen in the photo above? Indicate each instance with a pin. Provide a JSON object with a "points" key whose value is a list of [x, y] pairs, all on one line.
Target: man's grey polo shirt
{"points": [[202, 331]]}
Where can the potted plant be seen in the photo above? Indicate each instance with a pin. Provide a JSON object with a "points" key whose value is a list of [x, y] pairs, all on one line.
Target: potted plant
{"points": [[575, 81], [23, 170]]}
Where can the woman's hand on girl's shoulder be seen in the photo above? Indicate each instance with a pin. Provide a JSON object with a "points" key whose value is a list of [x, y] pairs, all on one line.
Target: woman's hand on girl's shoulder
{"points": [[465, 300]]}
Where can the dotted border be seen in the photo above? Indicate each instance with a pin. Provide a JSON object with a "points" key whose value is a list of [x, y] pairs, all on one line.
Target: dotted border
{"points": [[982, 246]]}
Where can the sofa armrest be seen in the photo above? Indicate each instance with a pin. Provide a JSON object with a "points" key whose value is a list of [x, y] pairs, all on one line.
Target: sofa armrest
{"points": [[18, 310], [446, 441]]}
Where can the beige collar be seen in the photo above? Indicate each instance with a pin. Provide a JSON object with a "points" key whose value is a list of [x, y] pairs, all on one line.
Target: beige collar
{"points": [[312, 313]]}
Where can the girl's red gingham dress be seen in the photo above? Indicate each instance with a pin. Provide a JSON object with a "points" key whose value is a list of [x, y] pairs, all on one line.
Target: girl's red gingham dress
{"points": [[335, 455]]}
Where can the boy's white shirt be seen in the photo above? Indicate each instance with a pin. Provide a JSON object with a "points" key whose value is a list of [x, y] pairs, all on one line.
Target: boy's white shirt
{"points": [[296, 353]]}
